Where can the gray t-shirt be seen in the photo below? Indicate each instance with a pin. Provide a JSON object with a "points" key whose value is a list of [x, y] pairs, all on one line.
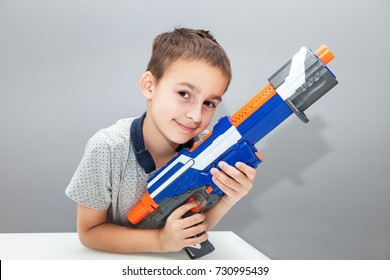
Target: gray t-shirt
{"points": [[114, 169], [109, 176]]}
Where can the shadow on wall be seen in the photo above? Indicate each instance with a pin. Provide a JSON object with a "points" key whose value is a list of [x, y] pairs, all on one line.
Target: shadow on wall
{"points": [[288, 151]]}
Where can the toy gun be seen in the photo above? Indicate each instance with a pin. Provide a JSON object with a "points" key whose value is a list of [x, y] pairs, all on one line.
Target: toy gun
{"points": [[292, 89]]}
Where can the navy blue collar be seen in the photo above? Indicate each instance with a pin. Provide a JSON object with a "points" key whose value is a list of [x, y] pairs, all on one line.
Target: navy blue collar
{"points": [[144, 158]]}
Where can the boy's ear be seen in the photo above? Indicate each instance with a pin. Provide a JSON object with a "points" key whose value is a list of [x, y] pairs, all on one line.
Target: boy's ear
{"points": [[146, 84]]}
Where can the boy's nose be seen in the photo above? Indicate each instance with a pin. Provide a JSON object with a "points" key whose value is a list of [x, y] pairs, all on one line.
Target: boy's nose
{"points": [[195, 114]]}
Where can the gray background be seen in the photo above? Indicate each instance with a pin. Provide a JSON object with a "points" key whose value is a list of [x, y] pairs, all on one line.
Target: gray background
{"points": [[69, 68]]}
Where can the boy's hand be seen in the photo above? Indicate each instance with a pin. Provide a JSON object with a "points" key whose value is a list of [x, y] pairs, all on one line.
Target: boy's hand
{"points": [[180, 232], [235, 182]]}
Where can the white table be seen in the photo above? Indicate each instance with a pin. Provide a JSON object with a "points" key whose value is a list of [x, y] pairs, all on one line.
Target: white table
{"points": [[66, 246]]}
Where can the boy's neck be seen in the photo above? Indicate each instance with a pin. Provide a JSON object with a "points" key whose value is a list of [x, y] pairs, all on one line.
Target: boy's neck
{"points": [[160, 149]]}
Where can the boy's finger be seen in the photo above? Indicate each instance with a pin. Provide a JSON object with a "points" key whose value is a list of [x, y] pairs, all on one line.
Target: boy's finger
{"points": [[249, 171], [180, 211], [229, 170]]}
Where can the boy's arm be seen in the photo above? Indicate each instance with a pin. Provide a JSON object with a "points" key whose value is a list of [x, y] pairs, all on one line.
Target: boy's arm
{"points": [[96, 233], [235, 182]]}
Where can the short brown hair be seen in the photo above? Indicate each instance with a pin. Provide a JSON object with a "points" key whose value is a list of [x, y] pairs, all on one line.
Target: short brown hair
{"points": [[187, 44]]}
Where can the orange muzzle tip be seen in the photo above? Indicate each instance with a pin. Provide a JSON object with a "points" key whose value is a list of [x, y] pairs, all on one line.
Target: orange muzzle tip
{"points": [[324, 54]]}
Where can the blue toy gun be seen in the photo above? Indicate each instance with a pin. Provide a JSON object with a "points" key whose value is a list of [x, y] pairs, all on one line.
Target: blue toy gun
{"points": [[292, 89]]}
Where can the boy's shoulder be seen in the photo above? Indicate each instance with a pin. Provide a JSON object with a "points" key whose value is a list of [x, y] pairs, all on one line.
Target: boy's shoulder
{"points": [[116, 135], [119, 129]]}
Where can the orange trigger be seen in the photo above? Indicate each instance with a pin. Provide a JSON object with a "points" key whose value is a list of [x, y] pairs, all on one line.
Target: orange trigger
{"points": [[195, 209]]}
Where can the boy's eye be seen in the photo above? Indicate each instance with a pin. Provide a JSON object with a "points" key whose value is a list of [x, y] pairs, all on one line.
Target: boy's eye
{"points": [[210, 104], [184, 94]]}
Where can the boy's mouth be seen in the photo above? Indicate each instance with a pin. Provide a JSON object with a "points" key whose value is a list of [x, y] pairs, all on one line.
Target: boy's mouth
{"points": [[186, 128]]}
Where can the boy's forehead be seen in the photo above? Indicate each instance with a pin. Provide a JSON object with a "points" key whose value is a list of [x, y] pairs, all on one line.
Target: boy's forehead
{"points": [[190, 68], [189, 65], [188, 73]]}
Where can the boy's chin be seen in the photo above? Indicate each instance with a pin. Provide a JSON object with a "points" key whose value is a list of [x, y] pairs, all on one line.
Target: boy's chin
{"points": [[182, 140]]}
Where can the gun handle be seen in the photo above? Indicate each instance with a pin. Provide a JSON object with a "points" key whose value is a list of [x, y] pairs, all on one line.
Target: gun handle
{"points": [[204, 248], [199, 250]]}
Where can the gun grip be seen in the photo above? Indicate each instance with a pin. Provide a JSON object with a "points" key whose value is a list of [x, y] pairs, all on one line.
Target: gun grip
{"points": [[200, 250]]}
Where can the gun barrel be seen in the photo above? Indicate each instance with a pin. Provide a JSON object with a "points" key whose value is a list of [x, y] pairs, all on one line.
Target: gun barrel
{"points": [[292, 89], [304, 79]]}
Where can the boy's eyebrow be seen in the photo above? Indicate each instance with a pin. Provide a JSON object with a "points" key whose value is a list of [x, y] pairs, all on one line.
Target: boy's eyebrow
{"points": [[218, 98], [189, 85], [194, 88]]}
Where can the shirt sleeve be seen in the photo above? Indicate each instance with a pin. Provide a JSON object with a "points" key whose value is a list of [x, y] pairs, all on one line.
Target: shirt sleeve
{"points": [[91, 183]]}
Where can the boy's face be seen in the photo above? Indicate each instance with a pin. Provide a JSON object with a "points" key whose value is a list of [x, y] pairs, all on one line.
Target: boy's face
{"points": [[182, 104]]}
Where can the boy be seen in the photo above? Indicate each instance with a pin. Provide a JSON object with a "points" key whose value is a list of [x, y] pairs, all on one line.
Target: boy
{"points": [[187, 75]]}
